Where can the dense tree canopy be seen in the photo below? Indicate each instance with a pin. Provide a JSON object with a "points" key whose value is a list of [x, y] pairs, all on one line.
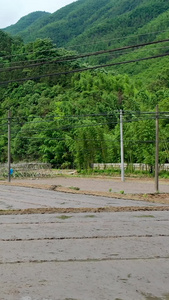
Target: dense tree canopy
{"points": [[73, 120]]}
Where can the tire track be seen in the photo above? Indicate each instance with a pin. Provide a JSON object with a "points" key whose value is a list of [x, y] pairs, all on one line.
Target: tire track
{"points": [[87, 260], [84, 237]]}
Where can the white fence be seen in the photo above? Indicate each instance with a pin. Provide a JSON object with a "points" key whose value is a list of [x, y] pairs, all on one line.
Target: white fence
{"points": [[140, 167]]}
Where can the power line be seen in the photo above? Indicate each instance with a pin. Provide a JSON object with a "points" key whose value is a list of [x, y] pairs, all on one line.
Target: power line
{"points": [[119, 38], [141, 117], [65, 59], [74, 126], [84, 69], [50, 61], [54, 118], [127, 140], [134, 116], [97, 42], [69, 116], [4, 69]]}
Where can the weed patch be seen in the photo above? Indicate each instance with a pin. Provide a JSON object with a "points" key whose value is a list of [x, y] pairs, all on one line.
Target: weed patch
{"points": [[74, 188], [63, 217]]}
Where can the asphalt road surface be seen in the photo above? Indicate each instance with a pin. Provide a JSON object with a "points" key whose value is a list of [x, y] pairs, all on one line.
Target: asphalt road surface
{"points": [[81, 256]]}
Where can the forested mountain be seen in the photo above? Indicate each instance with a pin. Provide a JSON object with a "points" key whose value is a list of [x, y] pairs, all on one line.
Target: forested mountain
{"points": [[87, 22], [88, 26], [70, 118], [26, 22], [66, 113]]}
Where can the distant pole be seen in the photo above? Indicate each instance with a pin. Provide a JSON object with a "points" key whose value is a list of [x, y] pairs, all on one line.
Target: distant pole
{"points": [[157, 152], [122, 146], [9, 146]]}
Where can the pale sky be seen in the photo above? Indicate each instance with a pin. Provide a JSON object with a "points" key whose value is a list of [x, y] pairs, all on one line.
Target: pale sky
{"points": [[12, 10]]}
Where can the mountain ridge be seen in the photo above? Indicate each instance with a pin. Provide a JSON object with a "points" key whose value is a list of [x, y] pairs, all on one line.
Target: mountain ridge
{"points": [[25, 22], [87, 21], [84, 26]]}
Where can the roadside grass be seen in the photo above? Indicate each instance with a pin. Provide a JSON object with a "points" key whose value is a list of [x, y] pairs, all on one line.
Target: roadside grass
{"points": [[122, 192], [129, 172], [74, 188], [63, 217]]}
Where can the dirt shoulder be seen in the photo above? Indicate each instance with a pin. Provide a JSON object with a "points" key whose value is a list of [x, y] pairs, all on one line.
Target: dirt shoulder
{"points": [[133, 189]]}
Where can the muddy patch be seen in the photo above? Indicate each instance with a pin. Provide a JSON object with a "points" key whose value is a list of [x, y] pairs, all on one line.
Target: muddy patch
{"points": [[53, 210]]}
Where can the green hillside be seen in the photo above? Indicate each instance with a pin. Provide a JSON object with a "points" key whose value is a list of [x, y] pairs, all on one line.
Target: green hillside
{"points": [[70, 118], [86, 22], [26, 22], [5, 43], [87, 26]]}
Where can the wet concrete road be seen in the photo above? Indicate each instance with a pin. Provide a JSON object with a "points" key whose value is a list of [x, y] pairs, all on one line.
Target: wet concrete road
{"points": [[131, 185], [13, 197], [82, 256]]}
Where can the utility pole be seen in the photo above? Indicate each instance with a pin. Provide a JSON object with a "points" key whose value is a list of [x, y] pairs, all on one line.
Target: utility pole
{"points": [[122, 146], [157, 152], [9, 146]]}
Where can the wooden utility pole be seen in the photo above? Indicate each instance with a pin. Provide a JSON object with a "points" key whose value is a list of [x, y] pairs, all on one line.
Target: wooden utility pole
{"points": [[157, 152], [9, 146], [122, 146]]}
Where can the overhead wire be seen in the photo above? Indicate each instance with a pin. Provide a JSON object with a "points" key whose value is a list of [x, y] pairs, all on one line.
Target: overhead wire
{"points": [[107, 114], [2, 65], [140, 115], [127, 140], [73, 71], [11, 68], [83, 69], [118, 38], [91, 42], [65, 59], [73, 126]]}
